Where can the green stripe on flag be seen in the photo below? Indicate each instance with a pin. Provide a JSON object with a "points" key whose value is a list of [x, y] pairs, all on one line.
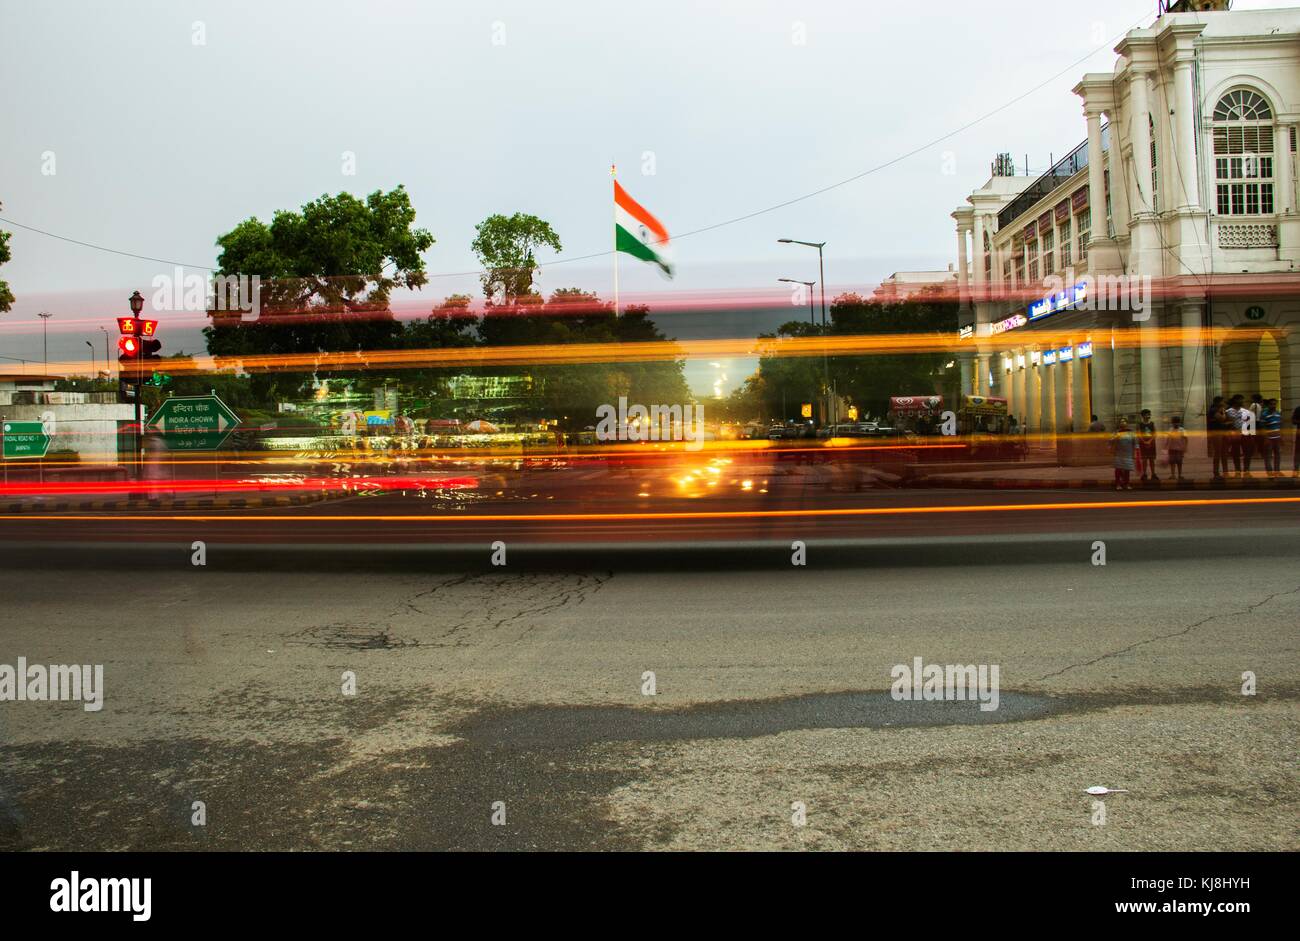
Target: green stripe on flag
{"points": [[625, 241]]}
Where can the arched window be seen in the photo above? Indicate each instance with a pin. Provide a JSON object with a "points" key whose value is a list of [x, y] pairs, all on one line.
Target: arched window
{"points": [[1243, 154]]}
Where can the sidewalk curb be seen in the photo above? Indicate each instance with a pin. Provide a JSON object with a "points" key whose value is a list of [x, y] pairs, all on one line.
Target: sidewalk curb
{"points": [[171, 503], [1101, 483]]}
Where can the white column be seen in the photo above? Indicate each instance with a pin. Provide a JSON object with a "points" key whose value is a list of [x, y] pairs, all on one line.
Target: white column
{"points": [[1194, 393], [1019, 383], [1103, 379], [1149, 357], [1060, 401], [1033, 394], [963, 268], [1078, 394], [1184, 125], [1283, 188], [1140, 118], [977, 263], [1006, 380], [1047, 387], [1118, 179], [1096, 180]]}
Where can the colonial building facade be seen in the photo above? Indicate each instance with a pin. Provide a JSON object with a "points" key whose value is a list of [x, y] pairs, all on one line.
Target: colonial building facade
{"points": [[1090, 289]]}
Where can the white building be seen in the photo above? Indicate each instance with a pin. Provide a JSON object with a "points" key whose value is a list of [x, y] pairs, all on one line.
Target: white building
{"points": [[1187, 178], [902, 285]]}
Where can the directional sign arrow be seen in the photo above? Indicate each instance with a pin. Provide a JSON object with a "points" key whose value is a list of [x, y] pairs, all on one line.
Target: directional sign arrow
{"points": [[194, 423], [24, 439]]}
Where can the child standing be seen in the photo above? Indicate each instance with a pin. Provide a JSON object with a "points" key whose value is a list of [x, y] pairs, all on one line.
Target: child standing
{"points": [[1124, 444], [1146, 435], [1176, 443]]}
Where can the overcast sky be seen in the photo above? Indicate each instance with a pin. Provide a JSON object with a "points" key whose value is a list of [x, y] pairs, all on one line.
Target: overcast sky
{"points": [[160, 144]]}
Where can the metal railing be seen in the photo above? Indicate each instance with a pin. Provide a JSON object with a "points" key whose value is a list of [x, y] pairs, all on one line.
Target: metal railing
{"points": [[1065, 168]]}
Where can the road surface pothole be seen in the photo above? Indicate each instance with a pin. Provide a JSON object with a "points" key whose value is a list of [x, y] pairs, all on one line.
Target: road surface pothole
{"points": [[345, 637], [576, 725]]}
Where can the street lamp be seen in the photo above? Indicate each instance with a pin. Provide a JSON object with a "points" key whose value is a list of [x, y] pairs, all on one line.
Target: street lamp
{"points": [[108, 365], [821, 274], [137, 303], [809, 286], [821, 268], [45, 316], [93, 372]]}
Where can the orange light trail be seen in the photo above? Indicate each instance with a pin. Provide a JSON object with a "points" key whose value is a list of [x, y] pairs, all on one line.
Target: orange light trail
{"points": [[551, 354], [635, 517]]}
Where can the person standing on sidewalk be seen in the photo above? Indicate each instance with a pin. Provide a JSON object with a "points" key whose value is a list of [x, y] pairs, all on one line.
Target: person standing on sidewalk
{"points": [[1176, 444], [1237, 421], [1270, 438], [1217, 429], [1124, 444], [1146, 435], [1295, 458]]}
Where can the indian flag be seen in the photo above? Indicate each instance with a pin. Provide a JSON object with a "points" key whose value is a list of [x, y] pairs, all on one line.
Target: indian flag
{"points": [[639, 233]]}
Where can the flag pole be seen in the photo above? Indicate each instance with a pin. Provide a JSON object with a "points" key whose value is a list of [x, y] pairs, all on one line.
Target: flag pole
{"points": [[613, 175]]}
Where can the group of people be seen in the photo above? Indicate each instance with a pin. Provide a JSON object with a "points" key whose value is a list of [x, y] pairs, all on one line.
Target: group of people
{"points": [[1136, 449], [1240, 432], [1235, 432]]}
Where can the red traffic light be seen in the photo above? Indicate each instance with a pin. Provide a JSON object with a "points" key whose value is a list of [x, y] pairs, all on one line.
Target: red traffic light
{"points": [[147, 327], [128, 326], [128, 346]]}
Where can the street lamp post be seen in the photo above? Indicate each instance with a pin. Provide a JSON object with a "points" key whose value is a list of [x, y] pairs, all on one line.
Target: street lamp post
{"points": [[45, 316], [812, 322], [809, 285], [108, 367], [93, 372], [821, 268], [821, 274]]}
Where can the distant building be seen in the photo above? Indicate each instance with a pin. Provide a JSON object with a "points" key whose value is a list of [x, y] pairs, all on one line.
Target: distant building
{"points": [[1187, 178], [901, 285]]}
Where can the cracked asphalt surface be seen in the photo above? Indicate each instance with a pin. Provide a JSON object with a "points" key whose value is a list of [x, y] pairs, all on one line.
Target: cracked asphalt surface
{"points": [[523, 686]]}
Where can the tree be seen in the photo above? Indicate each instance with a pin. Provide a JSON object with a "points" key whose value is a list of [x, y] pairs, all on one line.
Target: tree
{"points": [[783, 382], [6, 296], [327, 273], [869, 381], [505, 246]]}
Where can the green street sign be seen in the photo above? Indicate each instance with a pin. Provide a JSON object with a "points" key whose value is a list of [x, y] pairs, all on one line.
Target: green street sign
{"points": [[24, 439], [194, 423]]}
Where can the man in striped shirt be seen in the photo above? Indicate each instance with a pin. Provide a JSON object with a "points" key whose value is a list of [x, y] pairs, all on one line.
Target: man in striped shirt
{"points": [[1270, 437]]}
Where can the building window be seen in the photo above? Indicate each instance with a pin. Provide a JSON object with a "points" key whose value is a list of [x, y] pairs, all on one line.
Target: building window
{"points": [[1243, 155], [1155, 168], [1049, 251], [1063, 231], [1019, 253], [1032, 248], [1006, 271], [1083, 223], [1105, 179]]}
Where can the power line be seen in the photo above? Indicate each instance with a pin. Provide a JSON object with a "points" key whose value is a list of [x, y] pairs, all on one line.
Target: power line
{"points": [[561, 260]]}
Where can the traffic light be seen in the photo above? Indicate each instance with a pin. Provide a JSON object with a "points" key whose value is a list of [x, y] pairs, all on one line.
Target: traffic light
{"points": [[137, 349]]}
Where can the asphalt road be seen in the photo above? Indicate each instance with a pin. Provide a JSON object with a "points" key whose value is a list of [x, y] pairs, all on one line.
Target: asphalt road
{"points": [[526, 684]]}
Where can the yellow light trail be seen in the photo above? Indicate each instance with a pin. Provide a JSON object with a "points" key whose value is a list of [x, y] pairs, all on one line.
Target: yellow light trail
{"points": [[658, 350], [678, 515]]}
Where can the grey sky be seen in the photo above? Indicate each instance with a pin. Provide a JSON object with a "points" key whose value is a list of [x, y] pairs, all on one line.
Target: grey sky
{"points": [[161, 144]]}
